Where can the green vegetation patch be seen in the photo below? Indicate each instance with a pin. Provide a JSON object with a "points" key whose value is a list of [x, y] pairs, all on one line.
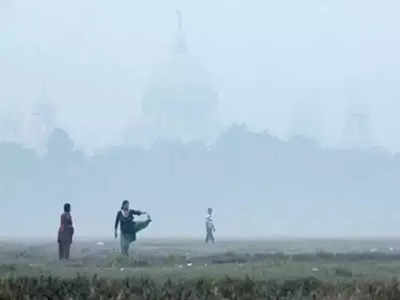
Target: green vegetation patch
{"points": [[81, 287]]}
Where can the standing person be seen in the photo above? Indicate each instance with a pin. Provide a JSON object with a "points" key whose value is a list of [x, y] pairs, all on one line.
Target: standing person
{"points": [[129, 227], [210, 228], [65, 233]]}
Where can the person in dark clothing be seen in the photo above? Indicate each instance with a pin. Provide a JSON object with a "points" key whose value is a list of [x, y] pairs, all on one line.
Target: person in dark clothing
{"points": [[65, 233], [210, 228], [129, 227]]}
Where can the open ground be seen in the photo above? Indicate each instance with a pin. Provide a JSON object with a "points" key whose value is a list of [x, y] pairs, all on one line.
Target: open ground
{"points": [[329, 261]]}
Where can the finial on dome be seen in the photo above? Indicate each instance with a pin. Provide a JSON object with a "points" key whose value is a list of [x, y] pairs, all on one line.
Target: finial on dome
{"points": [[180, 44], [180, 23]]}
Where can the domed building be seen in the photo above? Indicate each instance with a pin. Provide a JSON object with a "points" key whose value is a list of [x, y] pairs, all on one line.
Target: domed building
{"points": [[180, 100]]}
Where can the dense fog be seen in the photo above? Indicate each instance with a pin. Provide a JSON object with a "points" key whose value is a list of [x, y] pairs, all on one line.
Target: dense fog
{"points": [[258, 185], [282, 116]]}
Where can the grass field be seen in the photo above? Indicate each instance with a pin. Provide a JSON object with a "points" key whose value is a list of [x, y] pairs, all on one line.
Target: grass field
{"points": [[336, 265]]}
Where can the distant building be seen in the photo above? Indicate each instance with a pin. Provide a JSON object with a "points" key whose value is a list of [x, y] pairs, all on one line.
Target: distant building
{"points": [[180, 100], [40, 122]]}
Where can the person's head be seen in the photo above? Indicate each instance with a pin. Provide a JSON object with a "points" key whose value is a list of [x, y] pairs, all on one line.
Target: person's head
{"points": [[67, 207], [209, 210], [125, 205]]}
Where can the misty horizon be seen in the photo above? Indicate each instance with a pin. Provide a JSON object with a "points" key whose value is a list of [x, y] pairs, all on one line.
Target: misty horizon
{"points": [[258, 185], [282, 116]]}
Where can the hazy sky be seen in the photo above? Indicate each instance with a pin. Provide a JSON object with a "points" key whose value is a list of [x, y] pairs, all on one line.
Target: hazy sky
{"points": [[282, 66]]}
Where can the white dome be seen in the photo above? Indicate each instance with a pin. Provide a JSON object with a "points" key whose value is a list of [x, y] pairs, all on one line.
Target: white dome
{"points": [[180, 97], [179, 82]]}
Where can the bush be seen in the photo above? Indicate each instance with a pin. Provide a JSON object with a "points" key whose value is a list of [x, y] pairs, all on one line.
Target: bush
{"points": [[235, 289]]}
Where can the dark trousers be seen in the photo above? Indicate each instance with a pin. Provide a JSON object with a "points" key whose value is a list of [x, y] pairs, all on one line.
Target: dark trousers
{"points": [[63, 250], [210, 236], [127, 239]]}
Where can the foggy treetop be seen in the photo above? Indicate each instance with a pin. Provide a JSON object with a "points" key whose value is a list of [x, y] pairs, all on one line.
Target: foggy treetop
{"points": [[258, 185]]}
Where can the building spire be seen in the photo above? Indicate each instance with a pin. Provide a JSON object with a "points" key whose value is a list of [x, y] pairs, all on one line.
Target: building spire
{"points": [[180, 23], [180, 44]]}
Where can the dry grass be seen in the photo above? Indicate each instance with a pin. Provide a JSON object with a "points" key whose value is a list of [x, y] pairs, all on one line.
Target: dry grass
{"points": [[160, 270], [246, 289]]}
